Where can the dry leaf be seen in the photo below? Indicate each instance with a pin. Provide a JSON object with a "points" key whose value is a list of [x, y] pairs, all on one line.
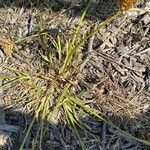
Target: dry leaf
{"points": [[6, 46], [127, 4]]}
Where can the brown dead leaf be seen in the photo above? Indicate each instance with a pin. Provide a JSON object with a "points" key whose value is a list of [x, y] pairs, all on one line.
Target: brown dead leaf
{"points": [[6, 46], [127, 4]]}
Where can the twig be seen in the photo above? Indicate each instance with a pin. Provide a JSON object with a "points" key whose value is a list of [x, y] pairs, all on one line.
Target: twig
{"points": [[2, 114], [104, 136], [106, 57], [143, 51]]}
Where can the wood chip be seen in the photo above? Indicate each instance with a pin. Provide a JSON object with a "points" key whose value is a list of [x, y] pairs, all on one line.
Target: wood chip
{"points": [[9, 128], [7, 46]]}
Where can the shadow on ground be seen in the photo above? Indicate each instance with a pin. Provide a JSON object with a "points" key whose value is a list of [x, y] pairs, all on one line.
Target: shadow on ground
{"points": [[99, 9], [60, 137]]}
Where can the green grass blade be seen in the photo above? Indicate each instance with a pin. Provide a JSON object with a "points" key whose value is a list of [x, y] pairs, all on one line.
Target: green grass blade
{"points": [[27, 134], [45, 58], [61, 98], [2, 76], [101, 25], [71, 50], [14, 80], [32, 122], [45, 109], [95, 113], [58, 46], [80, 124], [20, 40], [73, 123], [18, 72], [58, 104]]}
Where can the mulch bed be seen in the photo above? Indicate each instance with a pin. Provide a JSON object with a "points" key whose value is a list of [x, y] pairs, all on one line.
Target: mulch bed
{"points": [[114, 70]]}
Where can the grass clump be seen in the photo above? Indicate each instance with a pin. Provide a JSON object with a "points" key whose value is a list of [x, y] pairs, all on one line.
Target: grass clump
{"points": [[49, 90]]}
